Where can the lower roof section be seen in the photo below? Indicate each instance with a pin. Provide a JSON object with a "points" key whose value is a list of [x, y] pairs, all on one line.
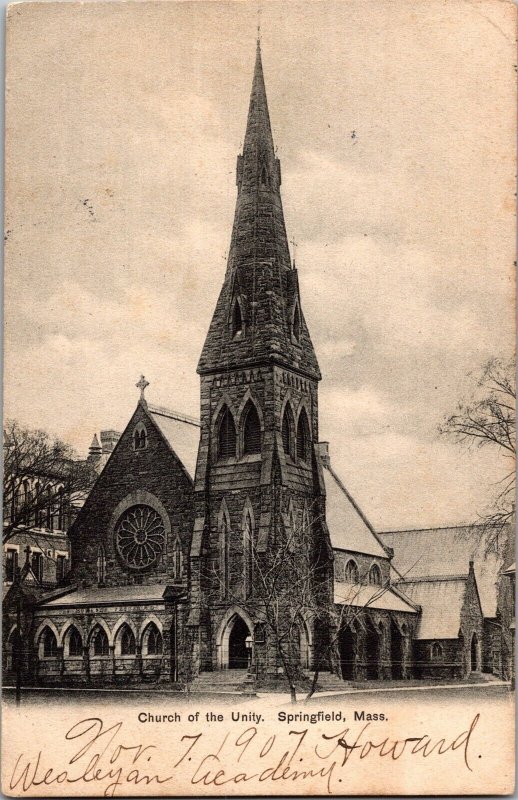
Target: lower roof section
{"points": [[114, 595], [386, 598]]}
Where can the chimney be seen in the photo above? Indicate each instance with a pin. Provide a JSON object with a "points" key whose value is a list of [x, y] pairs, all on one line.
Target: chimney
{"points": [[323, 449], [108, 440]]}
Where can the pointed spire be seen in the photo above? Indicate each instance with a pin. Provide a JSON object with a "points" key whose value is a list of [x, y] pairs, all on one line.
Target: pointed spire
{"points": [[95, 450]]}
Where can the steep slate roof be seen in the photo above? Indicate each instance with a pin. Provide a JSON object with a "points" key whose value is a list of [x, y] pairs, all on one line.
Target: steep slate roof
{"points": [[448, 551], [371, 597], [181, 433], [348, 527], [108, 595], [441, 602]]}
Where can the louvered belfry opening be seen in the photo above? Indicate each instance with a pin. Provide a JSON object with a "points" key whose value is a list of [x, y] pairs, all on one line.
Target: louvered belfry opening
{"points": [[252, 430], [288, 425], [303, 437], [226, 435], [237, 319]]}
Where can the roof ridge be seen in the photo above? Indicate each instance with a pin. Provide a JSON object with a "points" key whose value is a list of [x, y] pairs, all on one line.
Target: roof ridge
{"points": [[162, 411], [436, 578], [437, 528]]}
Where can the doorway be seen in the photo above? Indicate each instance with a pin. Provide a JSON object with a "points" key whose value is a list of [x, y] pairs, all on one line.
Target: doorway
{"points": [[237, 652], [346, 645]]}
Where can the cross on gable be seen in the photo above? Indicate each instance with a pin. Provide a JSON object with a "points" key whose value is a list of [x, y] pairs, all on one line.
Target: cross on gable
{"points": [[142, 384]]}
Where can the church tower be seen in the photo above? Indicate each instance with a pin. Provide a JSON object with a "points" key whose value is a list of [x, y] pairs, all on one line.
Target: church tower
{"points": [[258, 466]]}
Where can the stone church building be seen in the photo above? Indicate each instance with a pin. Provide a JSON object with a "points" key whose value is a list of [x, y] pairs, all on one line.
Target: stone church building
{"points": [[173, 551]]}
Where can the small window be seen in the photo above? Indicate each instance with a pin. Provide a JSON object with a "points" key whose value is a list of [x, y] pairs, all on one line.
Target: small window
{"points": [[288, 426], [61, 509], [140, 437], [100, 642], [155, 644], [75, 643], [128, 644], [61, 563], [303, 437], [252, 430], [237, 320], [11, 565], [375, 575], [437, 650], [177, 560], [50, 645], [351, 572], [37, 566], [226, 435], [295, 328], [50, 510], [265, 181]]}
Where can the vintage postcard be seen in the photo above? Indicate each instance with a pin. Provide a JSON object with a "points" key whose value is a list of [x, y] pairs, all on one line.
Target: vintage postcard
{"points": [[259, 425]]}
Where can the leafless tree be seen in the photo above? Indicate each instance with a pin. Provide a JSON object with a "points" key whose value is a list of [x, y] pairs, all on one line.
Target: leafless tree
{"points": [[487, 419], [42, 478]]}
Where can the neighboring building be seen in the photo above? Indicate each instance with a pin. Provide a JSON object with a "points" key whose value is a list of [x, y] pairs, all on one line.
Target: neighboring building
{"points": [[163, 586]]}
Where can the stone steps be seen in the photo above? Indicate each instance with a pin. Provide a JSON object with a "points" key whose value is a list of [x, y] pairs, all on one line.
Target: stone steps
{"points": [[222, 680]]}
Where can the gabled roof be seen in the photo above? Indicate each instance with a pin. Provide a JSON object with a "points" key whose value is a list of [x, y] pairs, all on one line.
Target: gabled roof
{"points": [[371, 597], [348, 527], [108, 595], [441, 602], [181, 433], [448, 551]]}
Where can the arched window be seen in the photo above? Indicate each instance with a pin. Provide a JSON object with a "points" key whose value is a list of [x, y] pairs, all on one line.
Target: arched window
{"points": [[251, 430], [224, 546], [265, 181], [295, 328], [351, 572], [127, 641], [37, 565], [287, 430], [226, 435], [303, 437], [50, 645], [248, 556], [101, 565], [177, 559], [100, 642], [375, 575], [140, 437], [75, 642], [437, 651], [237, 320], [153, 642]]}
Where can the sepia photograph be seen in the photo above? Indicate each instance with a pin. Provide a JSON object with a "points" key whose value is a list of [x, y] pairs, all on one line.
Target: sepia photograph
{"points": [[259, 398]]}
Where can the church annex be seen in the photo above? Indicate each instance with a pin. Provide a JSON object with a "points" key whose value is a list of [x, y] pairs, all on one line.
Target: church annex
{"points": [[170, 550]]}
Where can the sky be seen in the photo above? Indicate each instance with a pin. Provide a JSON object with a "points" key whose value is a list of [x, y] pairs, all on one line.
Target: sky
{"points": [[394, 123]]}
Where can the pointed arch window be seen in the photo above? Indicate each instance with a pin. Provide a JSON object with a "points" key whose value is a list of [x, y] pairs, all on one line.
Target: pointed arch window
{"points": [[251, 430], [127, 641], [224, 550], [237, 320], [75, 642], [101, 565], [437, 651], [265, 180], [153, 642], [177, 560], [351, 572], [375, 575], [100, 642], [140, 437], [303, 437], [287, 430], [295, 327], [248, 555], [50, 645], [226, 435]]}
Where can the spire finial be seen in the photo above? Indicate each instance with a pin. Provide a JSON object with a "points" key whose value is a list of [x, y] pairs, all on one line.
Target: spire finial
{"points": [[142, 384], [294, 243], [258, 25]]}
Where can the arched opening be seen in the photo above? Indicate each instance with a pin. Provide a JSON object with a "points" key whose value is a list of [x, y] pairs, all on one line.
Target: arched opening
{"points": [[140, 437], [152, 641], [287, 430], [372, 652], [226, 434], [346, 645], [375, 575], [475, 660], [251, 430], [49, 645], [99, 642], [296, 323], [177, 560], [237, 650], [237, 320], [75, 642], [303, 437], [351, 574], [396, 651], [126, 641]]}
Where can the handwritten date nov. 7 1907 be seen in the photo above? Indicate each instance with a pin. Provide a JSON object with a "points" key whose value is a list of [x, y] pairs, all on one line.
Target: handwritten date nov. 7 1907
{"points": [[106, 761]]}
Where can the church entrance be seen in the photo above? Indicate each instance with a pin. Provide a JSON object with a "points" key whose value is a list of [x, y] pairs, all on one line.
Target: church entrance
{"points": [[372, 652], [237, 651], [346, 646], [396, 651]]}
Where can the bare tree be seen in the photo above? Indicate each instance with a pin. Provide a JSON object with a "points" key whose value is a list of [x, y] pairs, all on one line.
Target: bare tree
{"points": [[487, 419], [42, 478]]}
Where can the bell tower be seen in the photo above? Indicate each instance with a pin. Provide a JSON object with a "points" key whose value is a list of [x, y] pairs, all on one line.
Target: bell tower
{"points": [[258, 466]]}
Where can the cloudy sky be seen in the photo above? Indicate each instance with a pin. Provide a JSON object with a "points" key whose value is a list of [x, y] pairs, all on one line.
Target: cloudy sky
{"points": [[394, 123]]}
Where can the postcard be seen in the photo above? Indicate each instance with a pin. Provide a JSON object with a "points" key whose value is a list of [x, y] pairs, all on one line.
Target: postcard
{"points": [[259, 409]]}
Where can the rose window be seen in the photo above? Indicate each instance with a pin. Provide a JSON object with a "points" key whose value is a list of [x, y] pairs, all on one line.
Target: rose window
{"points": [[140, 536]]}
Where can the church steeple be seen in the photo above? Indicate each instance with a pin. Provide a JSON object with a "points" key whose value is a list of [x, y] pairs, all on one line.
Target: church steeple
{"points": [[258, 317]]}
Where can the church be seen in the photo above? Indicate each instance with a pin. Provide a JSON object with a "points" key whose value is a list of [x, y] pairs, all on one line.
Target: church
{"points": [[173, 552]]}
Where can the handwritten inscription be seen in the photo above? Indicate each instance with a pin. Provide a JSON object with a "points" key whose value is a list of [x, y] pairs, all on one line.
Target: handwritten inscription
{"points": [[103, 758]]}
